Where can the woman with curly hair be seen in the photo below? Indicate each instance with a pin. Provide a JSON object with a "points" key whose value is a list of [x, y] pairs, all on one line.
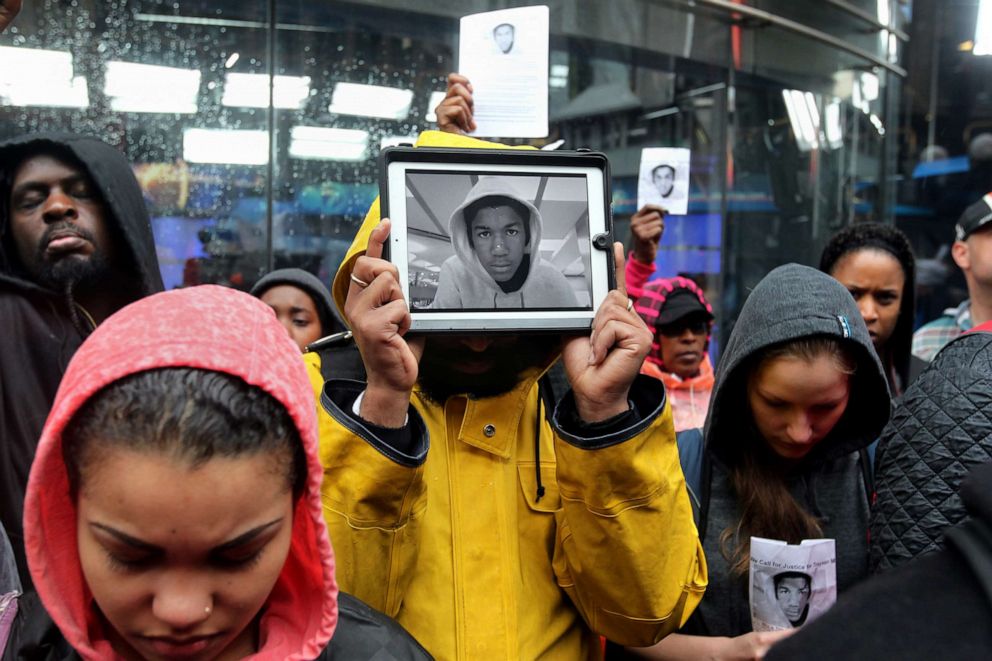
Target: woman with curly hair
{"points": [[875, 262]]}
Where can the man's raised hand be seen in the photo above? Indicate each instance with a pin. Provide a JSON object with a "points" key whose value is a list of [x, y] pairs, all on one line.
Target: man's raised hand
{"points": [[454, 113], [380, 318]]}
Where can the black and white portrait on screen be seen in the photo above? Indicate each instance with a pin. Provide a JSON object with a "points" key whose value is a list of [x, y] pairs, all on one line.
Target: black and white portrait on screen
{"points": [[493, 241]]}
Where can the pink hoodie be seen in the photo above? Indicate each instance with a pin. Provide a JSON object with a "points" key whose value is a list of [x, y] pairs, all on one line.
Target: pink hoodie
{"points": [[211, 328]]}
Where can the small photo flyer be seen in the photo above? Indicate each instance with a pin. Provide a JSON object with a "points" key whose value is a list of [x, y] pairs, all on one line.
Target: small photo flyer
{"points": [[664, 179], [791, 584]]}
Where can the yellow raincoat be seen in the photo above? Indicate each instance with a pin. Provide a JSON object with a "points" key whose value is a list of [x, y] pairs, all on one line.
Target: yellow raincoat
{"points": [[459, 547]]}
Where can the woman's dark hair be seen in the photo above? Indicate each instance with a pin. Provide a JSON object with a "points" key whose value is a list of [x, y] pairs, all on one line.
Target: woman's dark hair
{"points": [[888, 239], [767, 507], [189, 414]]}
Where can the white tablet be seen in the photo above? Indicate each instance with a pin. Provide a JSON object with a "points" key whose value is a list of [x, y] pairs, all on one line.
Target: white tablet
{"points": [[499, 240]]}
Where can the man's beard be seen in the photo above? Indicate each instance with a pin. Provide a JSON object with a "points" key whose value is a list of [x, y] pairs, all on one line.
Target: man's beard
{"points": [[439, 377], [71, 273]]}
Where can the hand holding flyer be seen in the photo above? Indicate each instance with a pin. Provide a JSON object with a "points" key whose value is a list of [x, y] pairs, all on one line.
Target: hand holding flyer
{"points": [[791, 584]]}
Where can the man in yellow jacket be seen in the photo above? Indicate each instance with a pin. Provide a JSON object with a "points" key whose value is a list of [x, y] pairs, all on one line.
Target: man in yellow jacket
{"points": [[457, 508]]}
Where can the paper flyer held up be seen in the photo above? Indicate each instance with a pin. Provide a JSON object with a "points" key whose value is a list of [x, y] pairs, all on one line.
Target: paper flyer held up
{"points": [[664, 179], [505, 56]]}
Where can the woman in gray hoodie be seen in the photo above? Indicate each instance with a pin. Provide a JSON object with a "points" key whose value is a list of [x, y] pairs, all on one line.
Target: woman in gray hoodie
{"points": [[799, 394]]}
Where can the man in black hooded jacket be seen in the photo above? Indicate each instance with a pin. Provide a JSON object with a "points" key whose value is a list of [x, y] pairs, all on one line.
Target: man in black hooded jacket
{"points": [[75, 246]]}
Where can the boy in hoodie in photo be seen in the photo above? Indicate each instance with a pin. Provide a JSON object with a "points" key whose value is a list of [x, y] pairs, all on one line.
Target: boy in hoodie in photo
{"points": [[75, 246], [496, 234], [489, 522], [173, 509]]}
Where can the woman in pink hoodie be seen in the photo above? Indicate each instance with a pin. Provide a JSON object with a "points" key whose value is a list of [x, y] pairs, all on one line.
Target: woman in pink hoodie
{"points": [[676, 310], [173, 508]]}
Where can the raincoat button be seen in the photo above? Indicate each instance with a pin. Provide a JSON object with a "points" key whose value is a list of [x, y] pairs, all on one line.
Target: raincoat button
{"points": [[489, 431]]}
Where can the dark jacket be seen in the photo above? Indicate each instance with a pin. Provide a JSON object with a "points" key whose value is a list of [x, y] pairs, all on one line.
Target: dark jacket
{"points": [[37, 334], [791, 302], [940, 429], [362, 633], [934, 607]]}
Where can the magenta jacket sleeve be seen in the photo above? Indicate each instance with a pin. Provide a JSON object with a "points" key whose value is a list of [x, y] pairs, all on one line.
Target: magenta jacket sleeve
{"points": [[636, 274]]}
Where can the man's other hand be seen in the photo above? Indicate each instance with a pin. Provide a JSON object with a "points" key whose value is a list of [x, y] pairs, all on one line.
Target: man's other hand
{"points": [[602, 367]]}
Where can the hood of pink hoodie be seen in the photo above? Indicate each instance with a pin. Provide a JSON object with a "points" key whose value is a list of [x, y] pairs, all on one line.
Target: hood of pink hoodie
{"points": [[211, 328]]}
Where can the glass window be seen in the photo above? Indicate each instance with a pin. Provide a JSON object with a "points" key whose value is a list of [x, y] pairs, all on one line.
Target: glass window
{"points": [[255, 135]]}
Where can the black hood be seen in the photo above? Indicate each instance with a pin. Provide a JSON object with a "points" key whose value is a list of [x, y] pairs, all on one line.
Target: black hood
{"points": [[330, 320], [114, 179], [790, 303]]}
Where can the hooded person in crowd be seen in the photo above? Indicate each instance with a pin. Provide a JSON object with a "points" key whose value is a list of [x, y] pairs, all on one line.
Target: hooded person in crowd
{"points": [[496, 234], [174, 505], [75, 245], [939, 431], [677, 312], [799, 395], [875, 262], [491, 525], [304, 306], [936, 607]]}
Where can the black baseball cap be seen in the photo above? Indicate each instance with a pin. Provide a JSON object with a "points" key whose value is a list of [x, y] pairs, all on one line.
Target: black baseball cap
{"points": [[977, 215], [681, 304]]}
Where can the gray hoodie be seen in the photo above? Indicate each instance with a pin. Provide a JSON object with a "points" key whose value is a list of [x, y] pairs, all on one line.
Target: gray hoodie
{"points": [[464, 281], [791, 302]]}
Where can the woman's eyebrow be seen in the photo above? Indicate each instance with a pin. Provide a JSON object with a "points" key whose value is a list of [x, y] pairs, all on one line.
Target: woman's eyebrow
{"points": [[125, 538], [151, 548], [246, 537]]}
